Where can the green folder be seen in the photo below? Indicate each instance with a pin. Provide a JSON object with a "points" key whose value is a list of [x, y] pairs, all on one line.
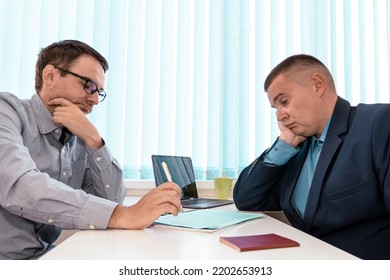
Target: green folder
{"points": [[207, 219]]}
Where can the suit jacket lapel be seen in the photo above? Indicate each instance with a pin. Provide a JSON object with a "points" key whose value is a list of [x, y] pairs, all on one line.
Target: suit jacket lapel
{"points": [[337, 127]]}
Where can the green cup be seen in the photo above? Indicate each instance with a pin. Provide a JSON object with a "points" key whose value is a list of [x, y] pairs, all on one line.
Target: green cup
{"points": [[223, 187]]}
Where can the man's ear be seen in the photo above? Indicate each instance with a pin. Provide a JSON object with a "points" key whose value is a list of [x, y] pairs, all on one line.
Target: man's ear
{"points": [[49, 74], [319, 83]]}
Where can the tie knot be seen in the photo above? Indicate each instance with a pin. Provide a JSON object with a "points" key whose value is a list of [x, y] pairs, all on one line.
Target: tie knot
{"points": [[316, 145], [318, 142]]}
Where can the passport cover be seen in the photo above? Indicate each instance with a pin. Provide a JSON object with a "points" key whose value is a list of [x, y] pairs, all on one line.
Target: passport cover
{"points": [[258, 242]]}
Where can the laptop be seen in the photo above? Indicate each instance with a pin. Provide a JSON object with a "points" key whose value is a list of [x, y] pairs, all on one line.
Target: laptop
{"points": [[179, 170]]}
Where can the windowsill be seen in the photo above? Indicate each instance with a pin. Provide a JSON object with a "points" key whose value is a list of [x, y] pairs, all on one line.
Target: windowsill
{"points": [[141, 187], [149, 184]]}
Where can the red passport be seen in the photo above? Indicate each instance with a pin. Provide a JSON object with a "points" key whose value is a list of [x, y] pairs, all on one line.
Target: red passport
{"points": [[258, 242]]}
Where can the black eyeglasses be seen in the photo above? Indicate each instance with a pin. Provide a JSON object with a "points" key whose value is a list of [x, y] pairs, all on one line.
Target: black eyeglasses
{"points": [[90, 86]]}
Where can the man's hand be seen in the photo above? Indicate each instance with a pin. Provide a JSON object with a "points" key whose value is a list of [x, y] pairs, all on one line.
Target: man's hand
{"points": [[288, 136], [161, 200], [69, 115]]}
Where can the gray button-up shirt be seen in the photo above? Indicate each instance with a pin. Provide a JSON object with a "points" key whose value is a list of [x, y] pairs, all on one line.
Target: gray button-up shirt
{"points": [[46, 186]]}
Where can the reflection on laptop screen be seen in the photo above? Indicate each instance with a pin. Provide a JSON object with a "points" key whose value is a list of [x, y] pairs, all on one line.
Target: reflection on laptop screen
{"points": [[181, 171]]}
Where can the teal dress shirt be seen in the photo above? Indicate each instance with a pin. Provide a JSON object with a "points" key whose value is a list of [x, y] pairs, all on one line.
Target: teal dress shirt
{"points": [[281, 152]]}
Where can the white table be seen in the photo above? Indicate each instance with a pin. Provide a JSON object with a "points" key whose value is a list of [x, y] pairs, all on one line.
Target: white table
{"points": [[170, 243]]}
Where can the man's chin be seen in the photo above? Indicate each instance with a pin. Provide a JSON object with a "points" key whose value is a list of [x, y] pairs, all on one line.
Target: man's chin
{"points": [[85, 109]]}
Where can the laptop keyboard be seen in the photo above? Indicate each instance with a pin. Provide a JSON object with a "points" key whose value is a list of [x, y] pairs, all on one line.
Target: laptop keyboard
{"points": [[194, 201]]}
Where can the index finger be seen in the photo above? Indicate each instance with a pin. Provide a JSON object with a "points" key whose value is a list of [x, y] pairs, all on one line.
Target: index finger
{"points": [[170, 186], [60, 101]]}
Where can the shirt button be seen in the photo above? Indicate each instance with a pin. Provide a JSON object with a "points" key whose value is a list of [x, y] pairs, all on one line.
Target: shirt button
{"points": [[98, 159], [63, 174], [57, 131], [107, 186], [50, 221], [91, 226]]}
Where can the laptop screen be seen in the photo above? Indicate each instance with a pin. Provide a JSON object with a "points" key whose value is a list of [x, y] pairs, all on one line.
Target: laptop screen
{"points": [[181, 171]]}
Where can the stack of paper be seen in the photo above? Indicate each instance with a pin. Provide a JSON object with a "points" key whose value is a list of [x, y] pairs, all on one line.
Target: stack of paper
{"points": [[207, 219]]}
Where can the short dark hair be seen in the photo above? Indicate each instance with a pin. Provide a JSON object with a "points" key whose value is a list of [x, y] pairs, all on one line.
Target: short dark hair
{"points": [[299, 60], [62, 54]]}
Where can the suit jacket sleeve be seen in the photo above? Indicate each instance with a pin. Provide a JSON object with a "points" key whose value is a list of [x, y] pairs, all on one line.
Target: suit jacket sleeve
{"points": [[381, 152], [255, 189]]}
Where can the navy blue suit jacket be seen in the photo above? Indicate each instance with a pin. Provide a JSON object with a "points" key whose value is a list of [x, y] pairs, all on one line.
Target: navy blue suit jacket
{"points": [[349, 200]]}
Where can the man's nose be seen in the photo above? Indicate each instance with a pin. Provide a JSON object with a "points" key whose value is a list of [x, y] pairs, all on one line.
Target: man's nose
{"points": [[281, 115], [94, 98]]}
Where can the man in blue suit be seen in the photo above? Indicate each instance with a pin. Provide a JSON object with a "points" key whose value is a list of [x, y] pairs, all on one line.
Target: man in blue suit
{"points": [[329, 168]]}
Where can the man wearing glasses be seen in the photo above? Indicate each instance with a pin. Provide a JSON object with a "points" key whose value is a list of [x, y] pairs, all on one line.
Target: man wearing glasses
{"points": [[55, 170]]}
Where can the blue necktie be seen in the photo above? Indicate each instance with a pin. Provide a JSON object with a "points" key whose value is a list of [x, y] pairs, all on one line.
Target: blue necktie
{"points": [[302, 188]]}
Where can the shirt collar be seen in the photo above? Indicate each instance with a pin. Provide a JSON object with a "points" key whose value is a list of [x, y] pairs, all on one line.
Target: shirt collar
{"points": [[324, 132], [43, 117]]}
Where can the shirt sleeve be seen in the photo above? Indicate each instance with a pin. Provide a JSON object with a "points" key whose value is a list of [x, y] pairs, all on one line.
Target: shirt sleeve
{"points": [[34, 195], [280, 153], [104, 177]]}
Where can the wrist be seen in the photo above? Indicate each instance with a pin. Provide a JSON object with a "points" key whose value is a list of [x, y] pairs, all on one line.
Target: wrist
{"points": [[288, 140], [125, 217], [115, 219], [95, 142]]}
